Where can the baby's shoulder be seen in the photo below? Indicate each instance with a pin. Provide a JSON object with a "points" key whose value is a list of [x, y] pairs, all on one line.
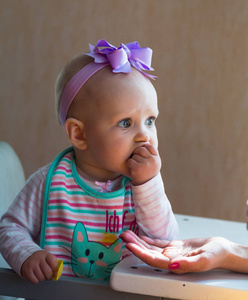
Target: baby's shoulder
{"points": [[44, 170], [39, 176]]}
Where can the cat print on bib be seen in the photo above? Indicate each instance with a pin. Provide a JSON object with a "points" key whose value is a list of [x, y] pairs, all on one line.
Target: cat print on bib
{"points": [[93, 260]]}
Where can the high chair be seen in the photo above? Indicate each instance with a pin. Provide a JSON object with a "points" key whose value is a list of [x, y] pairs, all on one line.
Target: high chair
{"points": [[12, 179]]}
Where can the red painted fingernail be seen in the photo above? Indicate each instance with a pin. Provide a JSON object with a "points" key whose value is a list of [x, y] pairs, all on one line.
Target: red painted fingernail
{"points": [[174, 266]]}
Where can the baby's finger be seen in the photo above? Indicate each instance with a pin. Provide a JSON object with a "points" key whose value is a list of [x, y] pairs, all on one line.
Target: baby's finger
{"points": [[31, 277], [52, 261], [141, 151], [39, 274], [134, 162], [137, 159], [46, 270], [152, 149]]}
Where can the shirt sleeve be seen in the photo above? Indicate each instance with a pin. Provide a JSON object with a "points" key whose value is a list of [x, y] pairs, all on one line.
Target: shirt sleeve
{"points": [[153, 210], [20, 226]]}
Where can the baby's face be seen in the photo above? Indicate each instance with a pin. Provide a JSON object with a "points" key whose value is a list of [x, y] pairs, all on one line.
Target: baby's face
{"points": [[120, 117]]}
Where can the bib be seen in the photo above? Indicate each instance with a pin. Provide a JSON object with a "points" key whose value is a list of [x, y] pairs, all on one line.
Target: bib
{"points": [[80, 225]]}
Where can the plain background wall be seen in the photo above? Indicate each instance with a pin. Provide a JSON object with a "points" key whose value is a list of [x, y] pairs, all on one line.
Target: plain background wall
{"points": [[201, 58]]}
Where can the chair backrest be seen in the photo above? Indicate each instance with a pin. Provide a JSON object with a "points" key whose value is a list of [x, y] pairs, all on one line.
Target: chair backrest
{"points": [[12, 177]]}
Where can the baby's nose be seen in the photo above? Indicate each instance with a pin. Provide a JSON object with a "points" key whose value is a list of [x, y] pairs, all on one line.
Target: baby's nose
{"points": [[142, 137]]}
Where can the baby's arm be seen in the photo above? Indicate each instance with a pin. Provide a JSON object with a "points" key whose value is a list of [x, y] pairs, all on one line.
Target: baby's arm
{"points": [[144, 164], [153, 210], [21, 225]]}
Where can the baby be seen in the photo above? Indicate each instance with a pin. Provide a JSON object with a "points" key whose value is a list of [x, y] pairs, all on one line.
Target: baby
{"points": [[109, 180]]}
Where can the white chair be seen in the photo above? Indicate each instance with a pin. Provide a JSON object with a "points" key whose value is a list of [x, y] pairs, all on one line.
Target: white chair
{"points": [[12, 179]]}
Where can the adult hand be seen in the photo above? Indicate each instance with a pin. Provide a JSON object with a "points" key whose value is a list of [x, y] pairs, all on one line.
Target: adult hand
{"points": [[151, 252], [192, 255]]}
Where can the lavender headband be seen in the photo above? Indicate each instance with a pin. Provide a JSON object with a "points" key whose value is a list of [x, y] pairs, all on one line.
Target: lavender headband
{"points": [[121, 59]]}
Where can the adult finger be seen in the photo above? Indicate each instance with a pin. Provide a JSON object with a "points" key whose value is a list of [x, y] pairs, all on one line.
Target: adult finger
{"points": [[198, 263], [143, 241], [155, 242], [129, 236], [150, 257]]}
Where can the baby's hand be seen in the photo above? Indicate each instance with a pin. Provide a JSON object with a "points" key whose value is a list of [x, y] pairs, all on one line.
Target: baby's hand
{"points": [[144, 164], [39, 266]]}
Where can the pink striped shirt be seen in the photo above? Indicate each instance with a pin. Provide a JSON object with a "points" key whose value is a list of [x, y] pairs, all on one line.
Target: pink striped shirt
{"points": [[20, 226]]}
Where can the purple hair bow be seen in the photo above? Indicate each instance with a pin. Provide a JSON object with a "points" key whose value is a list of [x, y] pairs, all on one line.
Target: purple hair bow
{"points": [[123, 57]]}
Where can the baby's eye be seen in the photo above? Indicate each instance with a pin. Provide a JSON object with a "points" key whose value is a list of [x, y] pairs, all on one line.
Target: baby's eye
{"points": [[125, 123], [150, 121]]}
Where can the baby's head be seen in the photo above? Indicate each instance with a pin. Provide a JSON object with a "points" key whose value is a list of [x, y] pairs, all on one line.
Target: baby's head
{"points": [[66, 74], [108, 106], [81, 68]]}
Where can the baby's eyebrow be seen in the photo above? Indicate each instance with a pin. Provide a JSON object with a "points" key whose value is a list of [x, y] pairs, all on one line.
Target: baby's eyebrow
{"points": [[153, 113], [117, 119]]}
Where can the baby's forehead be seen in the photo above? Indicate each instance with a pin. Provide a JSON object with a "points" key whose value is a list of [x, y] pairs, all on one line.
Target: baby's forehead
{"points": [[107, 79], [106, 88]]}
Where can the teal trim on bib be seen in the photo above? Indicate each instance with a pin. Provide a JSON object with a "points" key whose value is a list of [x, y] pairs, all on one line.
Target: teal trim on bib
{"points": [[47, 191]]}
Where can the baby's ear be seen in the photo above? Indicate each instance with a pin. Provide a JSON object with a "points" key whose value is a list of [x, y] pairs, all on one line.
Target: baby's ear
{"points": [[76, 133]]}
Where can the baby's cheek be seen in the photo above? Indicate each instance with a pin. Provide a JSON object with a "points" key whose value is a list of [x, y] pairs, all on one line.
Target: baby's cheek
{"points": [[101, 263]]}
